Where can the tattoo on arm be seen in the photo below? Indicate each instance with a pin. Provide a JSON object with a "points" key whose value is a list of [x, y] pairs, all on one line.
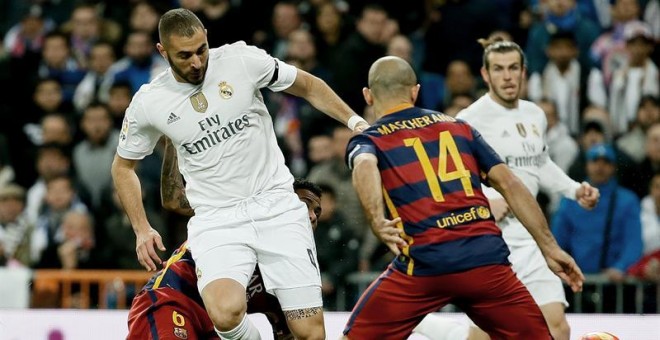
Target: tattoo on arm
{"points": [[298, 314], [173, 190]]}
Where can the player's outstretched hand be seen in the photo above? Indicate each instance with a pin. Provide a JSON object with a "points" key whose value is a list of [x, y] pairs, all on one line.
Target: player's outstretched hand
{"points": [[361, 126], [388, 233], [587, 196], [500, 208], [145, 247], [565, 267]]}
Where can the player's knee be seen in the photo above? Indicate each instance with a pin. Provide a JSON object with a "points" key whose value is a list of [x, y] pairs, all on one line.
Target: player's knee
{"points": [[226, 316]]}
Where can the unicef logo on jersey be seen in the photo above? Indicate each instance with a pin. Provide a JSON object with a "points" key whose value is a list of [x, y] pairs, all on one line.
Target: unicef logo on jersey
{"points": [[463, 217]]}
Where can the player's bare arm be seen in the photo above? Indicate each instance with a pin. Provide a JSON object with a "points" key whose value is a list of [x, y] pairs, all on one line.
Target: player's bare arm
{"points": [[323, 98], [366, 179], [172, 190], [527, 210], [130, 194]]}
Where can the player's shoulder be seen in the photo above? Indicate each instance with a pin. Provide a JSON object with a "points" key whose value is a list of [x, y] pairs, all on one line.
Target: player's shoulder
{"points": [[237, 49], [530, 108], [150, 93], [478, 108]]}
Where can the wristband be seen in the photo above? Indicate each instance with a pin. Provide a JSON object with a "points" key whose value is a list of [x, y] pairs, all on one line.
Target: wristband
{"points": [[353, 121]]}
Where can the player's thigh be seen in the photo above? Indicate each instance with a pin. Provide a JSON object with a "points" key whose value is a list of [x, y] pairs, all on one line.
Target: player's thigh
{"points": [[286, 249], [392, 306], [170, 322], [503, 307], [555, 317]]}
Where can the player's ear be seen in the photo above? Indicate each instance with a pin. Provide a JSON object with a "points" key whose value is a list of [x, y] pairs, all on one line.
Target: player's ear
{"points": [[161, 50], [367, 96], [484, 75], [414, 92]]}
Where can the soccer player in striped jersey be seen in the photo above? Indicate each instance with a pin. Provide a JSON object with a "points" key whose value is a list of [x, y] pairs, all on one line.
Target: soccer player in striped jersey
{"points": [[426, 169], [169, 305]]}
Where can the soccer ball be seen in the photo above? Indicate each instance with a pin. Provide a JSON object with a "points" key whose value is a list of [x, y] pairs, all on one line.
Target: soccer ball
{"points": [[599, 336]]}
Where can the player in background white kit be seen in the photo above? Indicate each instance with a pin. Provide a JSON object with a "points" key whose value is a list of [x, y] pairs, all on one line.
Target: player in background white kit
{"points": [[208, 103], [515, 129]]}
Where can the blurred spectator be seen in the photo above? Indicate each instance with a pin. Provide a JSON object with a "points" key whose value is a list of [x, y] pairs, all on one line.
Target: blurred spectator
{"points": [[220, 18], [15, 229], [563, 80], [114, 251], [459, 81], [6, 169], [285, 19], [593, 132], [337, 175], [651, 163], [336, 248], [633, 142], [95, 86], [92, 157], [119, 97], [453, 29], [144, 17], [75, 249], [61, 197], [356, 55], [58, 63], [330, 29], [561, 16], [141, 63], [608, 238], [51, 161], [28, 35], [86, 27], [319, 149], [561, 146], [609, 50], [458, 102], [56, 128], [651, 15], [637, 77], [651, 217], [432, 87]]}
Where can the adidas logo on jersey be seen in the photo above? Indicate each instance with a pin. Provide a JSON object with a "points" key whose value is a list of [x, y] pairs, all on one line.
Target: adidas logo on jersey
{"points": [[172, 118], [505, 134]]}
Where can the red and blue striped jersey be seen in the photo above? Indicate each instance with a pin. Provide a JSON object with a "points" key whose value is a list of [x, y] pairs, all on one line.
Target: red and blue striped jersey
{"points": [[179, 274], [431, 166]]}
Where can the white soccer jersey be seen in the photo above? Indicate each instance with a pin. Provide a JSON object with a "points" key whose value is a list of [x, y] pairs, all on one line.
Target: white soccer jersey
{"points": [[518, 136], [222, 131]]}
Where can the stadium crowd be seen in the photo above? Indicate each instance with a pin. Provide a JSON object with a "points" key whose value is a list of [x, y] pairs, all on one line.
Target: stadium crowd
{"points": [[71, 68]]}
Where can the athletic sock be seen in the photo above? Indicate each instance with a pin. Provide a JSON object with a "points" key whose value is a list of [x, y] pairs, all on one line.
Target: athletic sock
{"points": [[245, 330]]}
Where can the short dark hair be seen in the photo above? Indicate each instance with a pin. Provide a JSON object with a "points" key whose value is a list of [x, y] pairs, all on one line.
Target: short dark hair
{"points": [[498, 45], [303, 184], [328, 190], [563, 36], [178, 21]]}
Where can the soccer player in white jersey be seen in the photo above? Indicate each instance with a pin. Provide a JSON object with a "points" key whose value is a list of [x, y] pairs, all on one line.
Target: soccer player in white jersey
{"points": [[208, 103], [515, 129]]}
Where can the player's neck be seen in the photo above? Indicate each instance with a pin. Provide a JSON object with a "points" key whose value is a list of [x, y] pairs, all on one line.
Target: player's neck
{"points": [[383, 109]]}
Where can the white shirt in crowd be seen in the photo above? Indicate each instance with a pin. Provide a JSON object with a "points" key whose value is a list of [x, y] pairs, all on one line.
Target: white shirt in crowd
{"points": [[650, 226]]}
